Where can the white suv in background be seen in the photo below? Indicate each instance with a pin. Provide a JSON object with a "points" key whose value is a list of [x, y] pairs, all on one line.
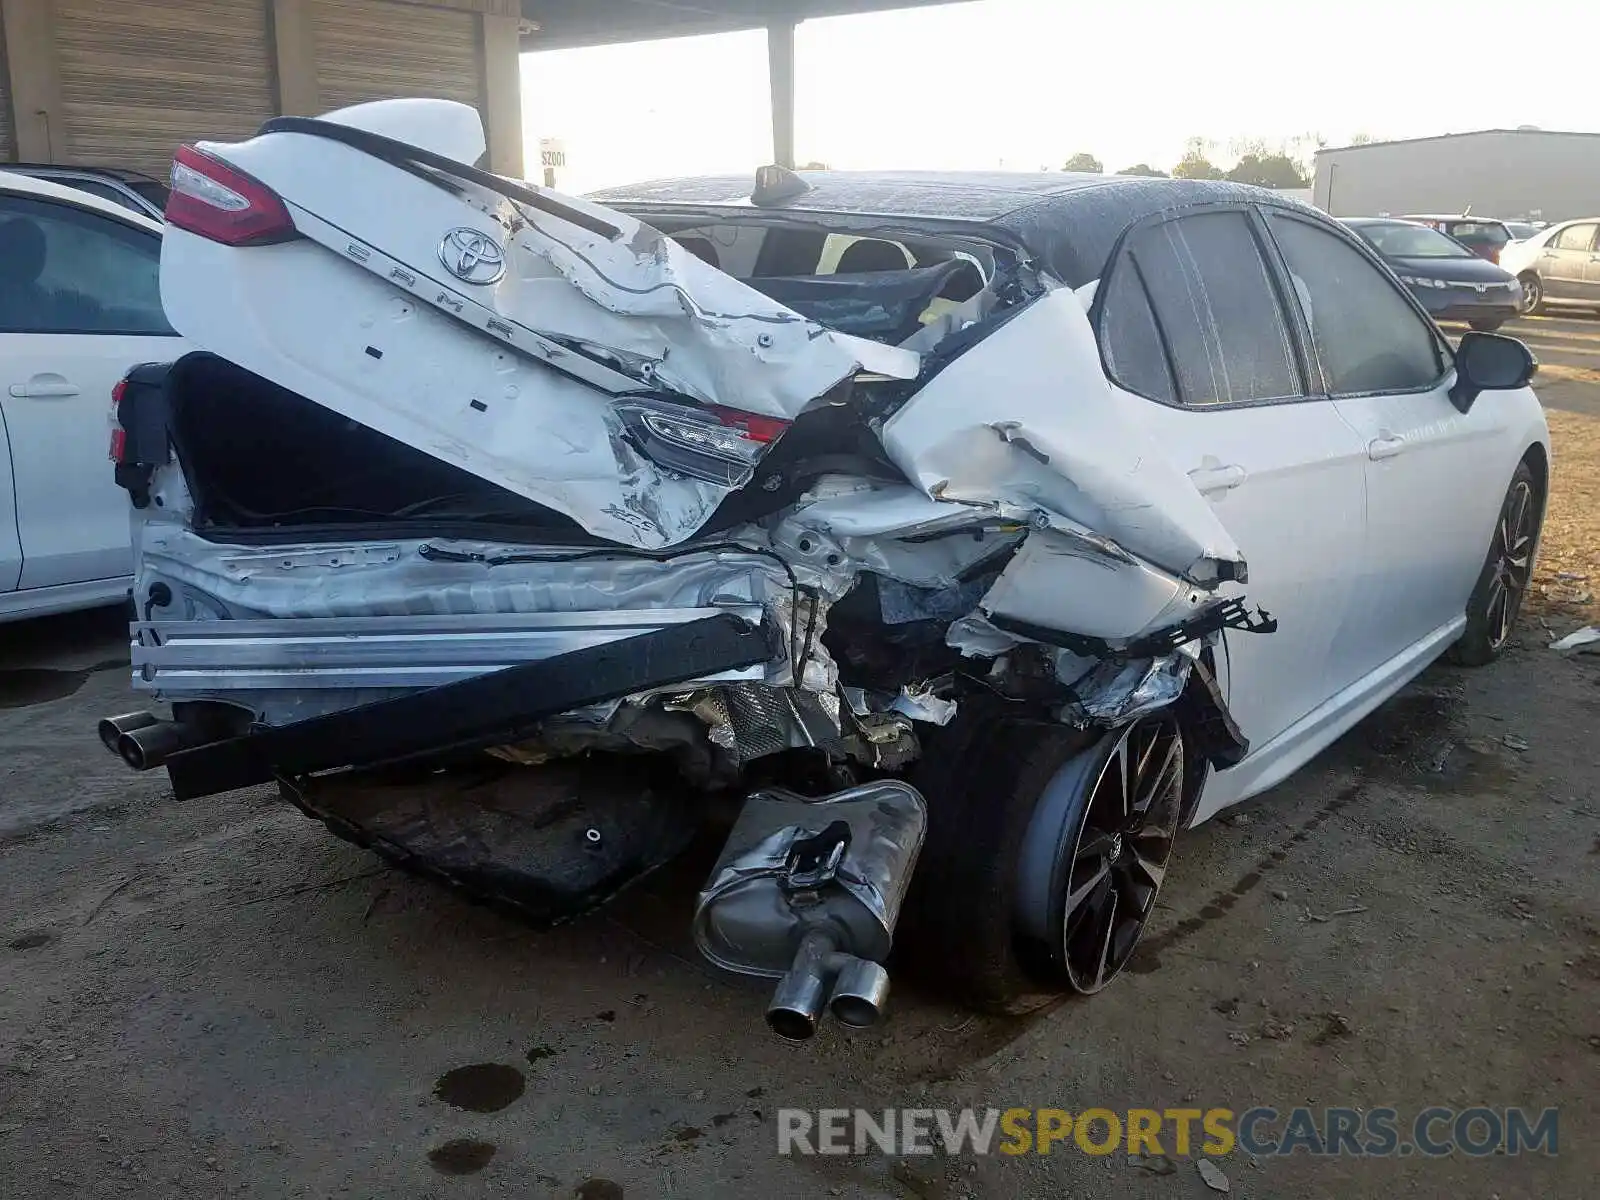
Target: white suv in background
{"points": [[80, 303]]}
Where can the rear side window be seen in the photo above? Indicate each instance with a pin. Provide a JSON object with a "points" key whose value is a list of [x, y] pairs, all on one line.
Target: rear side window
{"points": [[1366, 332], [1135, 355], [1197, 291], [64, 269], [1575, 237]]}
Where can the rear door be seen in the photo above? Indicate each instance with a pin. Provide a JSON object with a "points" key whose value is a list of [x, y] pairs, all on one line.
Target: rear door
{"points": [[1566, 261], [10, 544], [1432, 471], [1191, 318], [79, 305]]}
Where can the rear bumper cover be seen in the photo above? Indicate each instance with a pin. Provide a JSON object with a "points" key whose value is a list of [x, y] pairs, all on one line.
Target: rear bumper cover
{"points": [[487, 710]]}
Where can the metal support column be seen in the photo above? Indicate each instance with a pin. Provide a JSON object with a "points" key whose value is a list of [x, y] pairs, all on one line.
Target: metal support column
{"points": [[780, 72]]}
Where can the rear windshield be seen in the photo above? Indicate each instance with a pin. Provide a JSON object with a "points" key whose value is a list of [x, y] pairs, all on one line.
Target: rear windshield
{"points": [[1479, 233], [1411, 241], [152, 191]]}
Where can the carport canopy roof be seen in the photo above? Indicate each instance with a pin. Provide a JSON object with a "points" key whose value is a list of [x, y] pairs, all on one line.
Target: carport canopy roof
{"points": [[563, 24]]}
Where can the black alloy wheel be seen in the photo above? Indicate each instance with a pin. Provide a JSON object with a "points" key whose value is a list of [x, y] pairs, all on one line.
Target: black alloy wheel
{"points": [[1507, 572], [1098, 850]]}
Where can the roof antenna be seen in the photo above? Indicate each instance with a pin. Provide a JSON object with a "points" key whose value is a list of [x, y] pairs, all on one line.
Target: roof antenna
{"points": [[777, 185]]}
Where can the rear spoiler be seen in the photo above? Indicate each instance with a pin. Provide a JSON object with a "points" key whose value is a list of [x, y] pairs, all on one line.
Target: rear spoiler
{"points": [[409, 158]]}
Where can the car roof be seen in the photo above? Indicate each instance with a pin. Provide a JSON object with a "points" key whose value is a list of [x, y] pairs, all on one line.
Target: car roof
{"points": [[1453, 217], [120, 174], [1068, 220], [1354, 222], [31, 185]]}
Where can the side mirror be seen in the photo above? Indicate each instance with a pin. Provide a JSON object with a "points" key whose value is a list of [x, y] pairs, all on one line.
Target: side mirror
{"points": [[1490, 362]]}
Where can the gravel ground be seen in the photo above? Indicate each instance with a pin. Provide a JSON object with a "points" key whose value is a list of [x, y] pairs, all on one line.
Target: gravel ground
{"points": [[219, 999]]}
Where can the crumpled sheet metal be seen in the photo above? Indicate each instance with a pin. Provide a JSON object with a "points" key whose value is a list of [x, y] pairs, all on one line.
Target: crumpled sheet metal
{"points": [[1061, 442], [640, 296], [394, 579], [1119, 692]]}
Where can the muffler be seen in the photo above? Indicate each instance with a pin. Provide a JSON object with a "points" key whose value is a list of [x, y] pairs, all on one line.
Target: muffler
{"points": [[808, 892], [112, 728]]}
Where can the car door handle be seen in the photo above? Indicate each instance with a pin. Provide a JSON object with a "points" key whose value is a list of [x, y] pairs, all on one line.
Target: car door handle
{"points": [[1217, 478], [1386, 446], [44, 387]]}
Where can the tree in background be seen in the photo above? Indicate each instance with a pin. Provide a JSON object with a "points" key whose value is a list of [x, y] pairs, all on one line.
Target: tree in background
{"points": [[1144, 169], [1083, 161], [1195, 163], [1268, 170], [814, 166]]}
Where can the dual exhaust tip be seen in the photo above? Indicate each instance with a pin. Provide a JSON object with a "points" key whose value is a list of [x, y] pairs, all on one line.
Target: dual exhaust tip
{"points": [[144, 741], [853, 989]]}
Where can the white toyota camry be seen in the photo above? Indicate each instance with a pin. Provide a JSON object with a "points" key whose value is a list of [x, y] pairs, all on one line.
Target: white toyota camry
{"points": [[962, 538]]}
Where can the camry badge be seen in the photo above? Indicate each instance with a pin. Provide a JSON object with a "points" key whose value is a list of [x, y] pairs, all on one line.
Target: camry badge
{"points": [[473, 256]]}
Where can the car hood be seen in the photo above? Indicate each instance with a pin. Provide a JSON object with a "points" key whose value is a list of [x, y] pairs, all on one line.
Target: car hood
{"points": [[1455, 270]]}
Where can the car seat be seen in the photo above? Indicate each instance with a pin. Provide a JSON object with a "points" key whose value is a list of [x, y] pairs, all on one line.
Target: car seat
{"points": [[870, 254]]}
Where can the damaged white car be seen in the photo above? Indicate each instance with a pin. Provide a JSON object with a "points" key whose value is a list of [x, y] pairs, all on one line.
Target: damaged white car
{"points": [[960, 538]]}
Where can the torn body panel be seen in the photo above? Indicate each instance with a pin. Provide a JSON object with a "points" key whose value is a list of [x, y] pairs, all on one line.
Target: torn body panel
{"points": [[510, 374], [1032, 422]]}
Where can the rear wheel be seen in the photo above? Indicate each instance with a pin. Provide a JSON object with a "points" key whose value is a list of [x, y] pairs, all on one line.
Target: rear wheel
{"points": [[1097, 853], [1532, 294], [1046, 849], [1497, 599]]}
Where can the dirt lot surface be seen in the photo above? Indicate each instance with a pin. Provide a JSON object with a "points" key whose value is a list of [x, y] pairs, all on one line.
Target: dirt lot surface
{"points": [[218, 998]]}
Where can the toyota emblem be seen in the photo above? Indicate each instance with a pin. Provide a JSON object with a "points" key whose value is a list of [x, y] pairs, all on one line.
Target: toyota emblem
{"points": [[473, 256]]}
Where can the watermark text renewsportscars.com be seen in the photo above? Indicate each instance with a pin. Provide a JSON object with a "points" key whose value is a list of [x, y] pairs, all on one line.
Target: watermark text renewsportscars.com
{"points": [[1174, 1132]]}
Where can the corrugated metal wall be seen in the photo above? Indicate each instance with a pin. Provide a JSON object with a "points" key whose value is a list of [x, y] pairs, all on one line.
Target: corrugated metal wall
{"points": [[371, 50], [138, 77]]}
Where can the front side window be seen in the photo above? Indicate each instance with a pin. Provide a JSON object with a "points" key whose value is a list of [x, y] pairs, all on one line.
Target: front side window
{"points": [[66, 270], [1367, 334], [1197, 291]]}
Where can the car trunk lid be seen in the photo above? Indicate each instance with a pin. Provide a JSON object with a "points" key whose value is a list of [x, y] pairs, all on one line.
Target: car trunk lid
{"points": [[563, 351]]}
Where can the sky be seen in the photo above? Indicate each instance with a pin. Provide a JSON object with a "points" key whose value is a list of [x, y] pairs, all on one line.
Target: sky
{"points": [[1024, 84]]}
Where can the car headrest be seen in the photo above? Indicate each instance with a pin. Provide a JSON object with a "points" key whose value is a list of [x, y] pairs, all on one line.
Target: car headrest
{"points": [[869, 254], [22, 251]]}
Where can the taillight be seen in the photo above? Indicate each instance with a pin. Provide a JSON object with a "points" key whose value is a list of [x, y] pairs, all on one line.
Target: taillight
{"points": [[719, 445], [119, 435], [223, 204]]}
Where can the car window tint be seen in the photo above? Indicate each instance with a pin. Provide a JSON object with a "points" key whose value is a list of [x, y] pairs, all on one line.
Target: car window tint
{"points": [[1130, 340], [1367, 335], [1214, 303], [66, 270], [1575, 237]]}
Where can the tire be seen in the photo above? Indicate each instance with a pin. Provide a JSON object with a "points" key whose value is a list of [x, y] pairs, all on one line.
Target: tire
{"points": [[1532, 294], [981, 777], [1507, 571], [1017, 818], [1486, 326]]}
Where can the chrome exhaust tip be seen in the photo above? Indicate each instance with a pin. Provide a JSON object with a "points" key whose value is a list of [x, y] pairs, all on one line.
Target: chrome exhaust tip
{"points": [[853, 989], [801, 995], [151, 745], [111, 729], [859, 993]]}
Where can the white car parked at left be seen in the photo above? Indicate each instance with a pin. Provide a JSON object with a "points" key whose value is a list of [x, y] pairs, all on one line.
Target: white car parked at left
{"points": [[80, 302]]}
